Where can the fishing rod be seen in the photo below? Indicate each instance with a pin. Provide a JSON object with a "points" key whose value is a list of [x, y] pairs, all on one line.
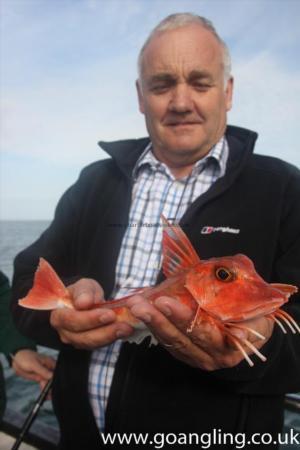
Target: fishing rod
{"points": [[32, 414]]}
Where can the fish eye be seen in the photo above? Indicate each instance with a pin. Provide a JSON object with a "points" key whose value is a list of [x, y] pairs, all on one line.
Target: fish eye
{"points": [[224, 274]]}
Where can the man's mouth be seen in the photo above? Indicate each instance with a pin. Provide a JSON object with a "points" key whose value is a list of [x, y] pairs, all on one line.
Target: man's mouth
{"points": [[182, 124]]}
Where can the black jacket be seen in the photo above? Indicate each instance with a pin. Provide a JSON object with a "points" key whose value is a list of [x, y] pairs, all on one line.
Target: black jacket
{"points": [[152, 391]]}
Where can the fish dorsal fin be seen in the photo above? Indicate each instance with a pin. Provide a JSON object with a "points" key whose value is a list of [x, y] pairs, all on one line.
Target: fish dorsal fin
{"points": [[178, 252]]}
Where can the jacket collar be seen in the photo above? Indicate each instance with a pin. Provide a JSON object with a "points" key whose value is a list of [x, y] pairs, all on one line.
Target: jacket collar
{"points": [[125, 153]]}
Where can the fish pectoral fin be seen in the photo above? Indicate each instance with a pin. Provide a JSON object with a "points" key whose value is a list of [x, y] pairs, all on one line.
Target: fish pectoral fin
{"points": [[178, 252]]}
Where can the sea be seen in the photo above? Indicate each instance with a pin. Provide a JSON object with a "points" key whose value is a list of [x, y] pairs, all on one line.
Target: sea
{"points": [[21, 394]]}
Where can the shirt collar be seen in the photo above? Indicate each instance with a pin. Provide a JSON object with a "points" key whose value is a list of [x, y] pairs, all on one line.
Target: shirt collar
{"points": [[218, 155]]}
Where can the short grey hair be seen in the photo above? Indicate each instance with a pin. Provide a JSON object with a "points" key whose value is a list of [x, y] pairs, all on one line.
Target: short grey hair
{"points": [[179, 20]]}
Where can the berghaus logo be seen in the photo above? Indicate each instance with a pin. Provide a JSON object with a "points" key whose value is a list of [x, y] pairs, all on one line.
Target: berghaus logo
{"points": [[209, 230]]}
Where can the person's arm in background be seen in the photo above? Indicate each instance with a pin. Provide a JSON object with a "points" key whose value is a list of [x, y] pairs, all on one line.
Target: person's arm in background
{"points": [[20, 350]]}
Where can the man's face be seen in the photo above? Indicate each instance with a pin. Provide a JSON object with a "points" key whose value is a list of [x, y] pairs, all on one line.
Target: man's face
{"points": [[182, 94]]}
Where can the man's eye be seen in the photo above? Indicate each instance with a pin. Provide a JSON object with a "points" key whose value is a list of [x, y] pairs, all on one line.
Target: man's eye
{"points": [[201, 86], [159, 88]]}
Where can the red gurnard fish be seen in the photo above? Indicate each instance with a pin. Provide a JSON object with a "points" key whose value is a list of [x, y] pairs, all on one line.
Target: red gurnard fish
{"points": [[226, 291]]}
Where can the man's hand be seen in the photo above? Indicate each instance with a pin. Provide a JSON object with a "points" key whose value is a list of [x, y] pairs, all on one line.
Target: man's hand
{"points": [[205, 347], [87, 326], [33, 366]]}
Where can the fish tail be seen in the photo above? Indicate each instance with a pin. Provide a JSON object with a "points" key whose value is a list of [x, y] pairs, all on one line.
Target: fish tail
{"points": [[48, 291]]}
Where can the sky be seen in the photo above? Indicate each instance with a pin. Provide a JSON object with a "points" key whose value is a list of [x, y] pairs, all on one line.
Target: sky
{"points": [[67, 80]]}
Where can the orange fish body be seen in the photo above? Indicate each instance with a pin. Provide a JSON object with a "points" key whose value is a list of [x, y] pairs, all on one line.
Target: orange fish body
{"points": [[226, 291]]}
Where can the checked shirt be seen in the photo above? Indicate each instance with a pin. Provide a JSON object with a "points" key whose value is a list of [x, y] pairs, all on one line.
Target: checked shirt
{"points": [[155, 191]]}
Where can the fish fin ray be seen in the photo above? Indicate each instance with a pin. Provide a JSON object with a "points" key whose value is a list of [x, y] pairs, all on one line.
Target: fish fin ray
{"points": [[250, 330], [178, 252], [236, 342], [254, 350], [281, 315], [239, 343], [195, 320], [272, 316]]}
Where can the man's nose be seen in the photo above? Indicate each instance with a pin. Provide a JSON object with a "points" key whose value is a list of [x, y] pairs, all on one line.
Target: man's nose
{"points": [[181, 100]]}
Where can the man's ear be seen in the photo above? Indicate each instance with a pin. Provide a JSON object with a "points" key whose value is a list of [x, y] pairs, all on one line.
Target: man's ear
{"points": [[140, 96], [229, 93]]}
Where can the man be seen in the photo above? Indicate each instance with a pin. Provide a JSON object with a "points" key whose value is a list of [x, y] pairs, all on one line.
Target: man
{"points": [[199, 172]]}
